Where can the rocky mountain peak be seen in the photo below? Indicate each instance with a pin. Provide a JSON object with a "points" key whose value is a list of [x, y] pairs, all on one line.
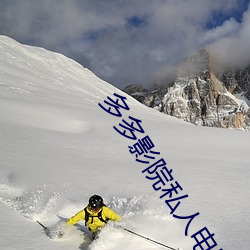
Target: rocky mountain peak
{"points": [[202, 97], [196, 64]]}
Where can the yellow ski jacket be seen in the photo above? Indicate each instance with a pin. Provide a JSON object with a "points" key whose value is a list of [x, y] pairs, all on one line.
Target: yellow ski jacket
{"points": [[94, 223]]}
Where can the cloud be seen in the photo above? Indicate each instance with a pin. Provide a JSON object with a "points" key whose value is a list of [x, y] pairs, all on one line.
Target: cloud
{"points": [[228, 28], [233, 48], [121, 41]]}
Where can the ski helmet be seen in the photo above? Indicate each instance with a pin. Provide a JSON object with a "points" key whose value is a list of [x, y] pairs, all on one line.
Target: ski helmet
{"points": [[95, 202]]}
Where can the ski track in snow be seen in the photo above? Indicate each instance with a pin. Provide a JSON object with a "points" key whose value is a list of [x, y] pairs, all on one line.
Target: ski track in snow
{"points": [[43, 117]]}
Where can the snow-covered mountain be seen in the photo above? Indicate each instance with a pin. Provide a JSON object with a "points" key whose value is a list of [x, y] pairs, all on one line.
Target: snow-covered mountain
{"points": [[58, 147], [202, 95]]}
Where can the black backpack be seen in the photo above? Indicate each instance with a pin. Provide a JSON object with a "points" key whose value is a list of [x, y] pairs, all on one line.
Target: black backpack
{"points": [[88, 216]]}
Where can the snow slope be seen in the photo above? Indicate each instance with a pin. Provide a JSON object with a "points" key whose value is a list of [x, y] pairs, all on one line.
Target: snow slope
{"points": [[58, 147]]}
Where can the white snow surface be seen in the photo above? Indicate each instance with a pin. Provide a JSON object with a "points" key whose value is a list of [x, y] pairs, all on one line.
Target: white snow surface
{"points": [[58, 147]]}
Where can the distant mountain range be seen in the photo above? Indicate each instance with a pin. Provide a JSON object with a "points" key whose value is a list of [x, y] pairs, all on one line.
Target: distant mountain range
{"points": [[202, 94]]}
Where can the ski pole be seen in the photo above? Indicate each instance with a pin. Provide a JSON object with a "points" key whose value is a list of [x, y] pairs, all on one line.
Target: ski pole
{"points": [[148, 239], [45, 228]]}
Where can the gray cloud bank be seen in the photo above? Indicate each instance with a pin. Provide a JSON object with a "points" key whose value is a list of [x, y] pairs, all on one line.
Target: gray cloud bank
{"points": [[131, 41]]}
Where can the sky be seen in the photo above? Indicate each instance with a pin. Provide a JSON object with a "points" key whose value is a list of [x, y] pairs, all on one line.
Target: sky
{"points": [[132, 41]]}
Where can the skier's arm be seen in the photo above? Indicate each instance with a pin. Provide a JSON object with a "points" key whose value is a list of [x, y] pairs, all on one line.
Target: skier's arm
{"points": [[77, 217], [110, 214]]}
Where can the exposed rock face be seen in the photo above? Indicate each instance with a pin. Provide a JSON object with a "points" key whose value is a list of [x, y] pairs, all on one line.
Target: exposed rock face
{"points": [[237, 81], [202, 98], [137, 91]]}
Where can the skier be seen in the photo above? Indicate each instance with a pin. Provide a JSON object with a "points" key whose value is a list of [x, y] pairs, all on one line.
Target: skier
{"points": [[95, 214]]}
